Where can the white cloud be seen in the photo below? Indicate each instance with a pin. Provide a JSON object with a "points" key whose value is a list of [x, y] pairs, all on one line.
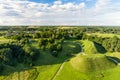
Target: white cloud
{"points": [[58, 2], [101, 4], [24, 12]]}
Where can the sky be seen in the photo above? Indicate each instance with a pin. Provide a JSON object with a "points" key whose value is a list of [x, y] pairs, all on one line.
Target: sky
{"points": [[60, 12]]}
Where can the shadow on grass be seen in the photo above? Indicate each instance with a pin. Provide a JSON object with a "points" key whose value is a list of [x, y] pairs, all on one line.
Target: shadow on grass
{"points": [[45, 58], [114, 59], [100, 48], [70, 49]]}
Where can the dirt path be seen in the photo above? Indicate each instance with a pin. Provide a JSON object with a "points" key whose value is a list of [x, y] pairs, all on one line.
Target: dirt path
{"points": [[59, 70], [62, 65]]}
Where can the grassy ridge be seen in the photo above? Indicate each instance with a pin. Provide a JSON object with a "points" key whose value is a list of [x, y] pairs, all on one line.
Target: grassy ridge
{"points": [[70, 73], [89, 47], [91, 63]]}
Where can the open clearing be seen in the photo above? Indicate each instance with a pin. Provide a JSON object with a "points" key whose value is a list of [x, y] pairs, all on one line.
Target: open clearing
{"points": [[104, 35]]}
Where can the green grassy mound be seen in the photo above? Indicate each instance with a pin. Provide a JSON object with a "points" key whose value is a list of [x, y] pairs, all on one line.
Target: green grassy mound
{"points": [[91, 63], [70, 73], [88, 47]]}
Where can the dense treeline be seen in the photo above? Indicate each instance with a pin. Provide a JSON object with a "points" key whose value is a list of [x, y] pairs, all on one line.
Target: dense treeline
{"points": [[48, 36], [53, 33], [51, 45], [110, 44], [13, 53]]}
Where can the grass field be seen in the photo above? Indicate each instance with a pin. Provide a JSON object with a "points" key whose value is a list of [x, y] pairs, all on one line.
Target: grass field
{"points": [[70, 73], [91, 66], [91, 63], [4, 40], [104, 35], [114, 54]]}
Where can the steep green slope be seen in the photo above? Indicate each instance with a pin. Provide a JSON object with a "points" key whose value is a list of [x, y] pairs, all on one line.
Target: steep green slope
{"points": [[70, 73], [91, 63], [92, 47], [89, 47]]}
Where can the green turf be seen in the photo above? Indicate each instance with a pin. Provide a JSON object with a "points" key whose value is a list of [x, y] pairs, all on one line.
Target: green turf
{"points": [[4, 40], [101, 69], [91, 63], [69, 73], [88, 47], [104, 34], [91, 66], [47, 72]]}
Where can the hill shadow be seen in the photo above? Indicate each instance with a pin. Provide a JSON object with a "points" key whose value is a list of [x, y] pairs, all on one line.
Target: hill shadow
{"points": [[114, 59], [69, 51], [100, 48], [45, 58]]}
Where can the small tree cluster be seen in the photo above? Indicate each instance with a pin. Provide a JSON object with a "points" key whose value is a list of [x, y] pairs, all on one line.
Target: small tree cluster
{"points": [[51, 44]]}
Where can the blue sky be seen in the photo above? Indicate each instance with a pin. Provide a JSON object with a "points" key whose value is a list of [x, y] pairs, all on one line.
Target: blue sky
{"points": [[89, 3], [51, 1], [43, 1], [60, 12]]}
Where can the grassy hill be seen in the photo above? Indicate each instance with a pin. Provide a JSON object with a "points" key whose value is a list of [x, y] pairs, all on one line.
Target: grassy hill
{"points": [[91, 66], [88, 47], [70, 73], [91, 63]]}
